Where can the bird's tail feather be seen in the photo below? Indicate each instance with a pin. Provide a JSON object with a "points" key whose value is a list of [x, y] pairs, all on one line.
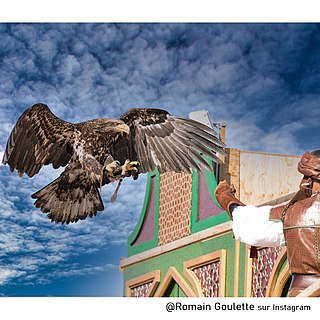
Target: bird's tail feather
{"points": [[68, 204]]}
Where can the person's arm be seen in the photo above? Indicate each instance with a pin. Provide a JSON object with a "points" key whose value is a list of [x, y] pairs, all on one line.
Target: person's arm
{"points": [[251, 224]]}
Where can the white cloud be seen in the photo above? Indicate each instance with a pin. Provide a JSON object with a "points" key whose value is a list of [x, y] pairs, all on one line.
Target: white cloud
{"points": [[77, 270], [7, 274], [245, 75], [37, 243], [245, 135]]}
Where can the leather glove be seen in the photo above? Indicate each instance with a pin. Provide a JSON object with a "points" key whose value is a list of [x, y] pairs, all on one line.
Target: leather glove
{"points": [[225, 195]]}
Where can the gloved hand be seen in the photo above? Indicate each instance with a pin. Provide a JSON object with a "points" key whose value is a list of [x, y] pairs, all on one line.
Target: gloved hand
{"points": [[225, 195], [224, 187]]}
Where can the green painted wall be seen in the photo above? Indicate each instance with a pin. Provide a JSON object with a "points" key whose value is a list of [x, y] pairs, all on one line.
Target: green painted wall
{"points": [[141, 247], [177, 257], [195, 225], [242, 269], [174, 290]]}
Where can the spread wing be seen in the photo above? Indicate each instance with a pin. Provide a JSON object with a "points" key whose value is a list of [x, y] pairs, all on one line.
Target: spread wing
{"points": [[74, 195], [39, 138], [170, 143]]}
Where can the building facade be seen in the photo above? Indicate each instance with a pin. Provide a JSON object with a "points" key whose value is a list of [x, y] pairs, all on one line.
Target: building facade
{"points": [[183, 245]]}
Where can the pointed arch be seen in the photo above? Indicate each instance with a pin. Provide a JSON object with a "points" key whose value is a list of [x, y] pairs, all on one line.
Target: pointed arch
{"points": [[174, 275], [278, 277], [205, 260], [149, 281]]}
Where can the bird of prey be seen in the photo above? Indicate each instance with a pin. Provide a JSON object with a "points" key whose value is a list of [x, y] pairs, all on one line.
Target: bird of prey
{"points": [[99, 151]]}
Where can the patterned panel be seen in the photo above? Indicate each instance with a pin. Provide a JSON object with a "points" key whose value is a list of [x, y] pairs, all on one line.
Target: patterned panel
{"points": [[206, 205], [147, 229], [141, 290], [209, 278], [262, 268], [175, 206]]}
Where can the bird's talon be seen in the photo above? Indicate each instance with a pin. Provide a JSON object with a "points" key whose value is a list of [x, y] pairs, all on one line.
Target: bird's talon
{"points": [[129, 168], [113, 170]]}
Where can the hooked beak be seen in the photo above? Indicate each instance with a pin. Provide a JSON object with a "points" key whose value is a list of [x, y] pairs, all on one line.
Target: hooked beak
{"points": [[123, 128]]}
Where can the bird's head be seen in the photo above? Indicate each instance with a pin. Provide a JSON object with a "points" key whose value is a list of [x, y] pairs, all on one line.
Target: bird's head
{"points": [[122, 127], [112, 126]]}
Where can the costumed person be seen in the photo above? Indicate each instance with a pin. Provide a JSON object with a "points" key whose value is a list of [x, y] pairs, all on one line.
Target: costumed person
{"points": [[295, 225]]}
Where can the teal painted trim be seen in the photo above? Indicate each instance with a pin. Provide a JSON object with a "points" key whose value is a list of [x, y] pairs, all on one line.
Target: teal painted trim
{"points": [[194, 202], [197, 225], [152, 243], [132, 237]]}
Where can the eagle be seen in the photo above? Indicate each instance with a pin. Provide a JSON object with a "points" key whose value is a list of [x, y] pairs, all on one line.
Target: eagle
{"points": [[97, 152]]}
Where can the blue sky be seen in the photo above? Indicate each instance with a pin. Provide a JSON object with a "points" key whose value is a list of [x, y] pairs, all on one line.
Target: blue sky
{"points": [[261, 79]]}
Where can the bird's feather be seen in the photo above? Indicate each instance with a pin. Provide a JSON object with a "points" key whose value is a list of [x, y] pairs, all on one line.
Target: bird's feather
{"points": [[39, 138], [169, 143], [156, 140]]}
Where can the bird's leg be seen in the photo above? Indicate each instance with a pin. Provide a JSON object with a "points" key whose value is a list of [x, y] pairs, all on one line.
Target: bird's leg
{"points": [[111, 171], [127, 169]]}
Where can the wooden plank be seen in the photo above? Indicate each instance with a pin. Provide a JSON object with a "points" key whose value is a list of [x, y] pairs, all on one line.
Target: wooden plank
{"points": [[230, 169], [234, 170], [203, 235], [265, 177]]}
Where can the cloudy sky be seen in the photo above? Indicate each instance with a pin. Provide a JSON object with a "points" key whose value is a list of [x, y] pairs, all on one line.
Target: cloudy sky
{"points": [[261, 79]]}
